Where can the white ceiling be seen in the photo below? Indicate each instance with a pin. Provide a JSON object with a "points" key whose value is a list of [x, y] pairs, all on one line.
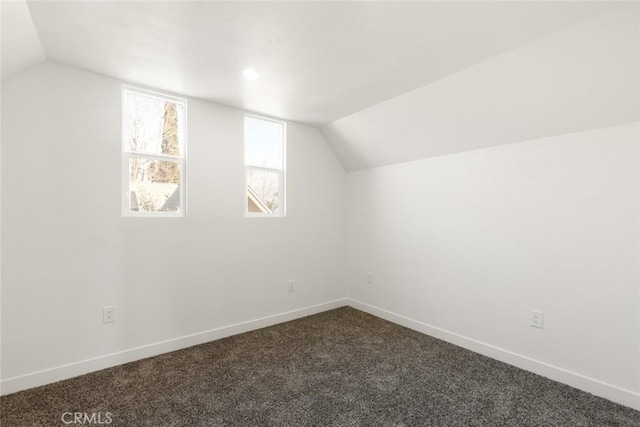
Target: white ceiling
{"points": [[584, 77], [21, 48], [319, 61], [387, 82]]}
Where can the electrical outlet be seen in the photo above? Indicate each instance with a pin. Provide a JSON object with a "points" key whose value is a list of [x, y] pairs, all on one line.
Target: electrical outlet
{"points": [[536, 319], [369, 278], [108, 314], [292, 286]]}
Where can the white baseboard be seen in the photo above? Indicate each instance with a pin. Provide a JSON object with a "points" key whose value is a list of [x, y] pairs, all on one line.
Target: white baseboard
{"points": [[608, 391], [590, 385], [58, 373]]}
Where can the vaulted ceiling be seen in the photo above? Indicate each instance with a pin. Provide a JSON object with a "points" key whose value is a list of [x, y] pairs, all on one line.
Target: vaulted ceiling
{"points": [[386, 81], [21, 47], [580, 78]]}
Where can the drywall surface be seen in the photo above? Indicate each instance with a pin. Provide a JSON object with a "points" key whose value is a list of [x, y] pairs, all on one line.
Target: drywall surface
{"points": [[21, 47], [580, 78], [319, 60], [67, 251], [469, 243]]}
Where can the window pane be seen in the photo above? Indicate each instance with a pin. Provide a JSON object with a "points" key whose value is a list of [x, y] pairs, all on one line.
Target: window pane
{"points": [[263, 143], [154, 185], [153, 125], [263, 194]]}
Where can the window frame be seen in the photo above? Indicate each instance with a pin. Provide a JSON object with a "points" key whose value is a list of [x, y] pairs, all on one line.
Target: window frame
{"points": [[282, 182], [127, 154]]}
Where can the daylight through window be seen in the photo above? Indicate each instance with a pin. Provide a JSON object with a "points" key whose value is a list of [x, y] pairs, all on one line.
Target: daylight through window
{"points": [[264, 153], [153, 154]]}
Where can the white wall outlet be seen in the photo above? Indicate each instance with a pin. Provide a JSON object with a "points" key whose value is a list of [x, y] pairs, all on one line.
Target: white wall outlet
{"points": [[536, 319], [369, 278], [292, 286], [108, 314]]}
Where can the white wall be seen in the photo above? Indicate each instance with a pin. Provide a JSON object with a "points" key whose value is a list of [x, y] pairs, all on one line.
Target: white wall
{"points": [[463, 246], [68, 252]]}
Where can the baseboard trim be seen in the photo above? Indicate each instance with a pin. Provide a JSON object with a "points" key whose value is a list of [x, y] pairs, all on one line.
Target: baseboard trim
{"points": [[58, 373], [599, 388]]}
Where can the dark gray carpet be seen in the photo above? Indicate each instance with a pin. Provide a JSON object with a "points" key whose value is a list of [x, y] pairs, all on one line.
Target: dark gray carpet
{"points": [[342, 367]]}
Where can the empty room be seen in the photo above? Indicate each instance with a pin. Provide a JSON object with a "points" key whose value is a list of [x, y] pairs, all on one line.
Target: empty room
{"points": [[368, 213]]}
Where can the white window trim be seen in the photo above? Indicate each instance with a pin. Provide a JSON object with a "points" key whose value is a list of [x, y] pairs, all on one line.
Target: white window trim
{"points": [[282, 182], [127, 154]]}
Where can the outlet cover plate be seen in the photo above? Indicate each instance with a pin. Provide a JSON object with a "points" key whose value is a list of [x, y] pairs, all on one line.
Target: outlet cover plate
{"points": [[537, 318], [108, 314]]}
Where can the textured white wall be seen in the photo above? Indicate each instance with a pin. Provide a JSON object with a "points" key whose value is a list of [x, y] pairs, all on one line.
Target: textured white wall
{"points": [[68, 252], [470, 242]]}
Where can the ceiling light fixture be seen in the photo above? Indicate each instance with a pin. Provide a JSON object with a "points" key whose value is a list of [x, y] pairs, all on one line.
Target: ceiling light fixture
{"points": [[251, 73]]}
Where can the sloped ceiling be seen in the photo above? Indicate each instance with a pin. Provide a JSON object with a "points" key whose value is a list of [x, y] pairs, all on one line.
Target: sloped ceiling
{"points": [[584, 77], [21, 48], [319, 61], [386, 82]]}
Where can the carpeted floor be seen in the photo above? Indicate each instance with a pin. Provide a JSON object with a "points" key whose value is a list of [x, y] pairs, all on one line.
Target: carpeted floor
{"points": [[341, 367]]}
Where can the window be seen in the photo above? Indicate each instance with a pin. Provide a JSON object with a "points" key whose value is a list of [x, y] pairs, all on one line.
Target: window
{"points": [[264, 159], [153, 159]]}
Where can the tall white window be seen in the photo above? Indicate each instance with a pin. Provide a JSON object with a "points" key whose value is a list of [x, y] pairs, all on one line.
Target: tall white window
{"points": [[153, 155], [264, 160]]}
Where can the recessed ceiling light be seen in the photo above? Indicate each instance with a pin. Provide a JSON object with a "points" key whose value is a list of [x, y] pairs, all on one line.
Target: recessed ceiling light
{"points": [[251, 73]]}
